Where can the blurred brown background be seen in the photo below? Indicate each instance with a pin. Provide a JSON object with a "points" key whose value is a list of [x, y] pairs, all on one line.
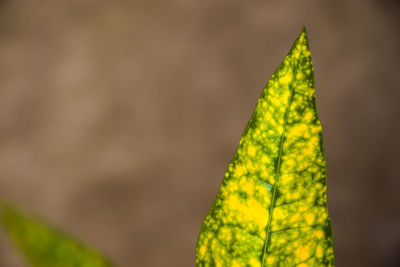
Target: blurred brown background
{"points": [[119, 118]]}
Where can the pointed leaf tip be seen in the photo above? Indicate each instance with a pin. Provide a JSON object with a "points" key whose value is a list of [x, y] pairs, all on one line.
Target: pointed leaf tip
{"points": [[303, 37]]}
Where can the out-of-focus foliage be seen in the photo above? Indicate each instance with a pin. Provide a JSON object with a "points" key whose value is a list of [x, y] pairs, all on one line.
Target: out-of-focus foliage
{"points": [[271, 209], [45, 246]]}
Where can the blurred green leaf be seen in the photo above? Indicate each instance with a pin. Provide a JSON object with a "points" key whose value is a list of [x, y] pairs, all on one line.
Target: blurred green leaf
{"points": [[271, 209], [45, 246]]}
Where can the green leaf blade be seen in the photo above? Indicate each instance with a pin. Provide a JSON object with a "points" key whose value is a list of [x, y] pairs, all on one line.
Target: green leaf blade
{"points": [[45, 246], [271, 208]]}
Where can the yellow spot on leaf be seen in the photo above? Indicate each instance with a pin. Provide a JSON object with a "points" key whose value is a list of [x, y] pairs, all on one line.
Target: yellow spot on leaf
{"points": [[256, 213], [278, 213], [202, 250], [249, 165], [251, 150], [270, 259], [240, 170], [233, 202], [235, 264], [302, 253], [264, 159], [319, 234], [308, 116], [309, 218], [319, 251], [254, 262], [248, 188]]}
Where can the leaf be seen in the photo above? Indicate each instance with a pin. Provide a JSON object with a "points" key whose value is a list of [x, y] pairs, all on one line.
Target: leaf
{"points": [[271, 209], [44, 246]]}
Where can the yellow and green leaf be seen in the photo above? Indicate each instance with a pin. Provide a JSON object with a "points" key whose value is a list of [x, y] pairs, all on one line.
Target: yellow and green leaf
{"points": [[271, 209], [45, 246]]}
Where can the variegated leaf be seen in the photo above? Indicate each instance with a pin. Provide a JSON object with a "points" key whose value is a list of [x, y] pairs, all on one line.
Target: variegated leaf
{"points": [[271, 209]]}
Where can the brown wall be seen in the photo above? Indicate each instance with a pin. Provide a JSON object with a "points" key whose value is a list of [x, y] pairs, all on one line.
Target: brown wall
{"points": [[119, 118]]}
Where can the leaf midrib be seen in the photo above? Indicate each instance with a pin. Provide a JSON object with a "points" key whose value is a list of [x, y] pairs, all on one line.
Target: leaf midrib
{"points": [[271, 209]]}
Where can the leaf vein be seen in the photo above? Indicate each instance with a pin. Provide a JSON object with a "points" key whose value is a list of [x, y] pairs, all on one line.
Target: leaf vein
{"points": [[268, 230]]}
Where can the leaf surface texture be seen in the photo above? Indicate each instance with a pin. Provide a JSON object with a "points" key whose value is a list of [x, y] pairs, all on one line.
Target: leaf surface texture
{"points": [[271, 208]]}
